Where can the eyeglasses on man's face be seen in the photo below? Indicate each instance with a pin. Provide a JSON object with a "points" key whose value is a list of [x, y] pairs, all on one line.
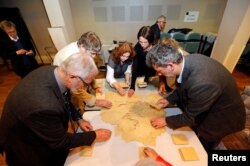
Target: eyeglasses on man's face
{"points": [[83, 82], [92, 53]]}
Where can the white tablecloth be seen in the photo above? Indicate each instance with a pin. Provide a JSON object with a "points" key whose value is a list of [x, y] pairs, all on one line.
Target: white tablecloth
{"points": [[116, 152]]}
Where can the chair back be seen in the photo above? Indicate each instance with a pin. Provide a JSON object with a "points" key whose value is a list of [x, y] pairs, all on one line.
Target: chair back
{"points": [[193, 42], [165, 35], [180, 37]]}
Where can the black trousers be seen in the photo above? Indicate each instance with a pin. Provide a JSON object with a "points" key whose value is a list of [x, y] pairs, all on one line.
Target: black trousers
{"points": [[208, 145]]}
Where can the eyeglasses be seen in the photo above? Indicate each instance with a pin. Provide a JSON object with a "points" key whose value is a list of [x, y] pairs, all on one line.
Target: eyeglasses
{"points": [[92, 53], [84, 83]]}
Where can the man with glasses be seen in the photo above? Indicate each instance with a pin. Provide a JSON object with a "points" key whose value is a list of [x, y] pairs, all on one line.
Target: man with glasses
{"points": [[34, 122], [18, 48], [90, 44], [159, 26]]}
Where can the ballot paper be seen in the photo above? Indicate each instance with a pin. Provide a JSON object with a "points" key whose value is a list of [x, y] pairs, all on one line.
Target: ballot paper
{"points": [[188, 154], [123, 85], [179, 139], [142, 85]]}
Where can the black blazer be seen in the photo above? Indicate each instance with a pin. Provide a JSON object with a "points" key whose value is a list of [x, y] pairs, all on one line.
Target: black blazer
{"points": [[34, 123], [209, 98], [21, 64]]}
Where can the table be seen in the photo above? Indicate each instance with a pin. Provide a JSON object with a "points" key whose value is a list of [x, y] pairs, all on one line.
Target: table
{"points": [[116, 151]]}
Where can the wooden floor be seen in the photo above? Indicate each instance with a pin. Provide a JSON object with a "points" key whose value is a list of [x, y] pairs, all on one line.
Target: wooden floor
{"points": [[237, 141]]}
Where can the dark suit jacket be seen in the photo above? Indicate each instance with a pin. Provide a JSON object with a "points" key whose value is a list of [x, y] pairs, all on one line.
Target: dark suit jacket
{"points": [[157, 31], [209, 98], [34, 123], [21, 64]]}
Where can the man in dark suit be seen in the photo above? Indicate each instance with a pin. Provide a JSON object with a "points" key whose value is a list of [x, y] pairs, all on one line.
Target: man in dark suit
{"points": [[34, 122], [159, 26], [18, 49], [206, 93]]}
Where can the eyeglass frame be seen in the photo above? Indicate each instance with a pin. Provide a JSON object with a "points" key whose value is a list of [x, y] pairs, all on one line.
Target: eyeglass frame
{"points": [[84, 83]]}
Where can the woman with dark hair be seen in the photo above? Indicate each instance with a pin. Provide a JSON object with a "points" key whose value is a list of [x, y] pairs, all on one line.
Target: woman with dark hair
{"points": [[146, 40], [120, 66]]}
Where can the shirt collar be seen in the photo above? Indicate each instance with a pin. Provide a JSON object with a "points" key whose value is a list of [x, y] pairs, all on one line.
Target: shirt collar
{"points": [[14, 39], [179, 80], [59, 82]]}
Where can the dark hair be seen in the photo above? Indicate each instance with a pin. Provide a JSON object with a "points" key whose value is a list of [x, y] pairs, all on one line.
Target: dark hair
{"points": [[147, 33], [121, 49]]}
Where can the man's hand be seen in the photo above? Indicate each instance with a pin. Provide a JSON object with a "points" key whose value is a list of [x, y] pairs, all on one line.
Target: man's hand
{"points": [[162, 102], [162, 88], [150, 152], [121, 91], [102, 134], [85, 125], [131, 92], [99, 90], [103, 103], [29, 53], [21, 51], [158, 122]]}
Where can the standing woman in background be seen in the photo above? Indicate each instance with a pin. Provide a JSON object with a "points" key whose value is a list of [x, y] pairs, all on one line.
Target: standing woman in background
{"points": [[120, 66], [18, 49], [146, 40]]}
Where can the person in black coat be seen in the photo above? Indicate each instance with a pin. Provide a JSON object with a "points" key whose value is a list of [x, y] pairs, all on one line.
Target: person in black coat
{"points": [[146, 39], [18, 49], [34, 122], [159, 26], [206, 93]]}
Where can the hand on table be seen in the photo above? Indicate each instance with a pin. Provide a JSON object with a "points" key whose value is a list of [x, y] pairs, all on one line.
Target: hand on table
{"points": [[121, 91], [85, 125], [162, 102], [99, 90], [102, 134], [103, 103], [131, 92], [162, 89], [158, 122], [150, 152]]}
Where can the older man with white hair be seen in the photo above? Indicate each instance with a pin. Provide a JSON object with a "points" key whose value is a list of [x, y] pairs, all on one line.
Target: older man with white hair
{"points": [[34, 122], [159, 26]]}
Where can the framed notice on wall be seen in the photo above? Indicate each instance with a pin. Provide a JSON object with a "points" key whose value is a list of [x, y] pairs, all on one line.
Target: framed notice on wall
{"points": [[191, 16]]}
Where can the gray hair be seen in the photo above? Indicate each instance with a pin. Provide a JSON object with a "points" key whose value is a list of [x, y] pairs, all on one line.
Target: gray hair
{"points": [[6, 24], [161, 54], [161, 18], [80, 65], [90, 41]]}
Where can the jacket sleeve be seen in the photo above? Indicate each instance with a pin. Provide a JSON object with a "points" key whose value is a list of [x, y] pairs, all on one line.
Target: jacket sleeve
{"points": [[134, 73], [48, 126], [197, 101]]}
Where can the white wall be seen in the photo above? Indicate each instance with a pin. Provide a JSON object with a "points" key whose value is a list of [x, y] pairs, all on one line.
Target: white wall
{"points": [[233, 33], [87, 16], [100, 16]]}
